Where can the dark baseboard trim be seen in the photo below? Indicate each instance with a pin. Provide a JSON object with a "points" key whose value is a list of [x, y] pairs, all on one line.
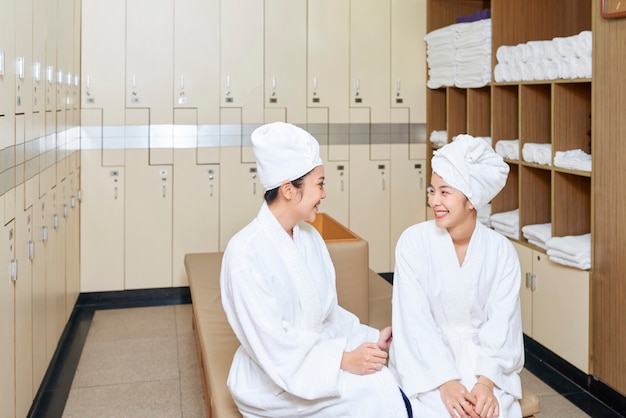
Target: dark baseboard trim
{"points": [[569, 381], [52, 395]]}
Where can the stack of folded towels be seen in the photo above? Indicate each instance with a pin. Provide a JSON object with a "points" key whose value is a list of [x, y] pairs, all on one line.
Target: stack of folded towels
{"points": [[537, 153], [459, 55], [508, 148], [571, 250], [473, 54], [438, 138], [559, 58], [575, 159], [506, 223], [538, 234], [440, 56]]}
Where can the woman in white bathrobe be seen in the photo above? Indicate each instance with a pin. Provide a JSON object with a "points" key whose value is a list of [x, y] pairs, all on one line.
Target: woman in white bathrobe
{"points": [[301, 354], [458, 344]]}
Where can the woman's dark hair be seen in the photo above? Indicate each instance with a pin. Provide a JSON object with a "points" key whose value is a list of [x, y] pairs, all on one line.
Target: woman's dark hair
{"points": [[272, 194]]}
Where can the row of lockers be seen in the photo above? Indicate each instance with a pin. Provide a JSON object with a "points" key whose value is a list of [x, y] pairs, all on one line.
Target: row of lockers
{"points": [[276, 57]]}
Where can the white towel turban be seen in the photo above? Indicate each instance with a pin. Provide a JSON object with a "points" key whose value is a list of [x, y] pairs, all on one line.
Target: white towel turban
{"points": [[471, 166], [283, 152]]}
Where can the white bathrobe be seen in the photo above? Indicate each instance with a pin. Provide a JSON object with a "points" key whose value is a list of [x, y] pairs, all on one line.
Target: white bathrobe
{"points": [[456, 322], [280, 299]]}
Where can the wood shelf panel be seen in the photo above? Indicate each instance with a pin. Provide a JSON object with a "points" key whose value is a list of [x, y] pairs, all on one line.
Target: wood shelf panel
{"points": [[535, 114], [457, 111], [479, 111], [572, 117], [571, 205], [508, 198], [436, 101], [505, 113], [535, 200]]}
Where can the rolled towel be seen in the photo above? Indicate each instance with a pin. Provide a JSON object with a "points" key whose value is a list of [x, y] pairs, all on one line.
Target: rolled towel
{"points": [[439, 138], [508, 148], [537, 153], [583, 44]]}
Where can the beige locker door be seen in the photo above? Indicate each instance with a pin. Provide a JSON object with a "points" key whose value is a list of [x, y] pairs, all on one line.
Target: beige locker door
{"points": [[40, 356], [65, 53], [337, 186], [7, 321], [285, 58], [407, 194], [241, 58], [328, 81], [61, 152], [241, 194], [7, 64], [59, 233], [561, 310], [23, 56], [526, 256], [50, 67], [196, 210], [39, 56], [149, 56], [102, 243], [196, 58], [370, 205], [72, 253], [24, 252], [148, 222], [370, 47], [408, 57], [103, 58], [53, 302]]}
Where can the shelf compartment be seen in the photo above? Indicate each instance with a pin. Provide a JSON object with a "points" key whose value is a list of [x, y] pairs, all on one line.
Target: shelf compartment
{"points": [[572, 117], [505, 115], [442, 13], [508, 198], [457, 112], [535, 187], [436, 102], [479, 111], [535, 111], [571, 204]]}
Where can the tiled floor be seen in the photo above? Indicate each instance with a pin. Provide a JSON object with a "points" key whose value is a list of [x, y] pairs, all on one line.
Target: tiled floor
{"points": [[142, 362], [138, 362]]}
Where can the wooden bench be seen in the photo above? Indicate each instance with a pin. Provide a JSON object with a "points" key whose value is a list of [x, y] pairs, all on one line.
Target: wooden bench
{"points": [[359, 289]]}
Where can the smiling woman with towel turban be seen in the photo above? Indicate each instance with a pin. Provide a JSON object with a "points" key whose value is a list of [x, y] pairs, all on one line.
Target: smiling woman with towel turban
{"points": [[458, 345], [301, 354]]}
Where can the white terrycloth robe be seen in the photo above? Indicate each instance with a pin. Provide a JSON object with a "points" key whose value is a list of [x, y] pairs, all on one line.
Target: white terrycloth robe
{"points": [[280, 299], [456, 322]]}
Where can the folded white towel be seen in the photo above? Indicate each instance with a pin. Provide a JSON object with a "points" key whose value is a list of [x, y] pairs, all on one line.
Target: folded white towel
{"points": [[573, 159], [537, 153], [537, 243], [508, 148], [506, 223], [583, 264], [539, 232], [573, 245]]}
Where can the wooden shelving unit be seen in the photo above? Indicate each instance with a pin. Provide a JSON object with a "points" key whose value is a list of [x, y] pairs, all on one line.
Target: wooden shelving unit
{"points": [[556, 112]]}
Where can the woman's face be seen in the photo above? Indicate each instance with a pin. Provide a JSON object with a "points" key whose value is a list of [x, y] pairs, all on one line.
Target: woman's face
{"points": [[312, 192], [450, 207]]}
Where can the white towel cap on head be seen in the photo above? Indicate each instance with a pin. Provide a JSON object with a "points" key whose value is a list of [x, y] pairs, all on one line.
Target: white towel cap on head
{"points": [[283, 152], [471, 166]]}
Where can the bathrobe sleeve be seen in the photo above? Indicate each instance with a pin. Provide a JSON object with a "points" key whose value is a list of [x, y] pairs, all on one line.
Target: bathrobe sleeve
{"points": [[418, 355]]}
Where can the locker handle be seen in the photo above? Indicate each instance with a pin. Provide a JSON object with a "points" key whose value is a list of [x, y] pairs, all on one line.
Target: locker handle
{"points": [[55, 221], [65, 211], [383, 184], [182, 82], [31, 250], [13, 270], [44, 234], [227, 82], [1, 62], [533, 282], [273, 83], [88, 82], [20, 67], [115, 192], [134, 82], [211, 190], [358, 84], [527, 280], [164, 190], [314, 83], [341, 185], [254, 188], [398, 85]]}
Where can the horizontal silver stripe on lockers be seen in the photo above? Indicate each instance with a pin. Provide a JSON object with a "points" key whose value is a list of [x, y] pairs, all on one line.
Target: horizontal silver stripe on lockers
{"points": [[207, 136]]}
